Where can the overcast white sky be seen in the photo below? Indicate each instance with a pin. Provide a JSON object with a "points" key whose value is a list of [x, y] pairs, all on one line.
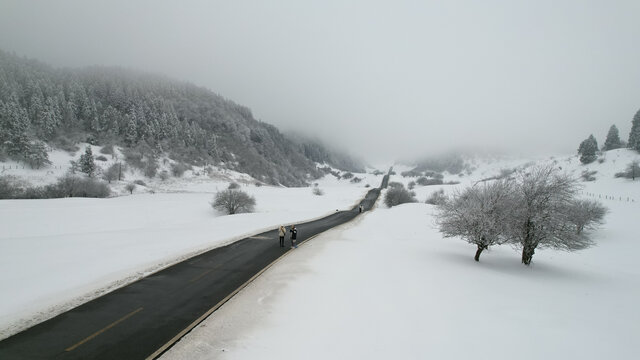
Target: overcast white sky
{"points": [[381, 78]]}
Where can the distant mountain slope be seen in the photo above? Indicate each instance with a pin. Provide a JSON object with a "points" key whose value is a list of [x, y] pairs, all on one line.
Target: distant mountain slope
{"points": [[149, 114]]}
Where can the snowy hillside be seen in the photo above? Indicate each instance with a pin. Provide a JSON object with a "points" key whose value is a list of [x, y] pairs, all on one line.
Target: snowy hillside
{"points": [[388, 286], [58, 253]]}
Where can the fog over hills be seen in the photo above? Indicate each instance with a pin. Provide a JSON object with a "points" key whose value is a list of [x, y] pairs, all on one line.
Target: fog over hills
{"points": [[149, 115]]}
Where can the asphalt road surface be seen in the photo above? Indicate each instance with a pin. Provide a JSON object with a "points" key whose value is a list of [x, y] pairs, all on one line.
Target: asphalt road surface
{"points": [[137, 320]]}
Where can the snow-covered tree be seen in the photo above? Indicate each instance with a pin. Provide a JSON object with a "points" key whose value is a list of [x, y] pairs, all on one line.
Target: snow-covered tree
{"points": [[633, 170], [585, 214], [613, 139], [86, 162], [634, 134], [478, 214], [114, 172], [130, 187], [233, 201], [587, 150], [131, 132], [538, 219], [37, 155]]}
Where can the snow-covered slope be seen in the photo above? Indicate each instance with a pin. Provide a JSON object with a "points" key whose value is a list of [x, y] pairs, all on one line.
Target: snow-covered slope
{"points": [[388, 286]]}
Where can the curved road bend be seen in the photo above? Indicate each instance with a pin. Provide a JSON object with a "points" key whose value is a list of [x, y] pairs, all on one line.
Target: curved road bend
{"points": [[138, 319]]}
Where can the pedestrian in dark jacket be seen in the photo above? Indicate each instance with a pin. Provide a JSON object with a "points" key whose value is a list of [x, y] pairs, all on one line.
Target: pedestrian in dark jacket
{"points": [[294, 236], [282, 231]]}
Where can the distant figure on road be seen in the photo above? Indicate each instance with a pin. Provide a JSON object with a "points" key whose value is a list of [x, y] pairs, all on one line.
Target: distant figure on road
{"points": [[294, 236], [360, 208], [281, 233]]}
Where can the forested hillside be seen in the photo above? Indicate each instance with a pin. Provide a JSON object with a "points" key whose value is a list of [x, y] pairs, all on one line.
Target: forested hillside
{"points": [[149, 115]]}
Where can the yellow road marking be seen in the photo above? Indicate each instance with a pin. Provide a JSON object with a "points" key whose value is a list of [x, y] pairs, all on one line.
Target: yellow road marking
{"points": [[71, 348]]}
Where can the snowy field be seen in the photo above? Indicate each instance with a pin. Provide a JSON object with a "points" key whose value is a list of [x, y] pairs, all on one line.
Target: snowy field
{"points": [[56, 254], [388, 286]]}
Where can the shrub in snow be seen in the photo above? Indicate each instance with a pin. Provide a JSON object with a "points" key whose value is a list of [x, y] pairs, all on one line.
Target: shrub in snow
{"points": [[107, 149], [140, 182], [347, 175], [585, 214], [178, 169], [478, 214], [588, 175], [114, 172], [318, 191], [10, 187], [233, 201], [396, 185], [356, 180], [130, 187], [436, 198], [411, 173], [164, 175], [426, 181], [233, 185], [411, 185], [75, 186], [433, 174], [101, 158], [398, 195], [631, 172]]}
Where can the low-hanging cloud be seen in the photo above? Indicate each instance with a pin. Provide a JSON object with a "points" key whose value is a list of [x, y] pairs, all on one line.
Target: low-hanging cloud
{"points": [[381, 79]]}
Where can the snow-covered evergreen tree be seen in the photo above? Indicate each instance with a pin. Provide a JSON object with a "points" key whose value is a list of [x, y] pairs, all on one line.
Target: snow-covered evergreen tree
{"points": [[634, 134], [131, 132], [587, 150], [37, 155], [87, 164], [613, 139]]}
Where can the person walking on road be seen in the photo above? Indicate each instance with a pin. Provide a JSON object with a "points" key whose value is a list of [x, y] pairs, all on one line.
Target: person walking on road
{"points": [[294, 236], [281, 232], [360, 208]]}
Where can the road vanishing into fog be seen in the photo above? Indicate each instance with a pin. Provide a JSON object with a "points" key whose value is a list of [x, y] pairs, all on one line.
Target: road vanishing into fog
{"points": [[145, 318]]}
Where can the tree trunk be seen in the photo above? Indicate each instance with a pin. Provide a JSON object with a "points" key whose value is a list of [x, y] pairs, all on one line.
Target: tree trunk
{"points": [[528, 248], [478, 252], [527, 254]]}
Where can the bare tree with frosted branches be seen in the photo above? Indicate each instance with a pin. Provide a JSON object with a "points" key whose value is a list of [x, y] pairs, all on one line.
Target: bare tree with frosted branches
{"points": [[478, 214]]}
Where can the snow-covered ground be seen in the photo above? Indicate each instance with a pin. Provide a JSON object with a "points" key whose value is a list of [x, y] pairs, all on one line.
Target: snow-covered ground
{"points": [[388, 286], [56, 254]]}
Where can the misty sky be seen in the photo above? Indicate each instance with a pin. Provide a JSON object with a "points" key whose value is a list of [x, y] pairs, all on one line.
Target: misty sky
{"points": [[381, 78]]}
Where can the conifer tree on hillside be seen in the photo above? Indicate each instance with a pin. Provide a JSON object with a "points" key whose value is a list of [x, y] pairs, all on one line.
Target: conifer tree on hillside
{"points": [[99, 105], [587, 150], [634, 134], [87, 165], [613, 139]]}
